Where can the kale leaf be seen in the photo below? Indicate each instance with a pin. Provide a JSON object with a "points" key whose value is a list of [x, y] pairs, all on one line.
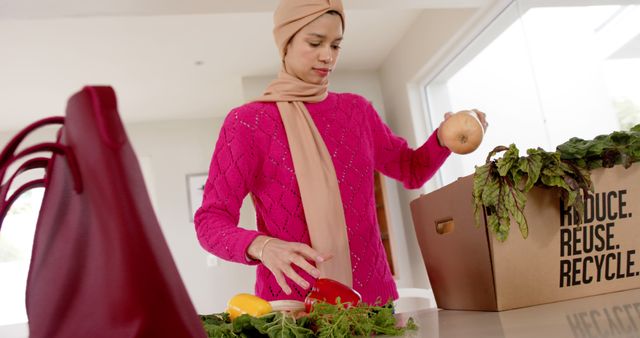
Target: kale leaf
{"points": [[500, 186]]}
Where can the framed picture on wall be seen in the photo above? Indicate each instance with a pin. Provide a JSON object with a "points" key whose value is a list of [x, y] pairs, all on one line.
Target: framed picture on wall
{"points": [[195, 189]]}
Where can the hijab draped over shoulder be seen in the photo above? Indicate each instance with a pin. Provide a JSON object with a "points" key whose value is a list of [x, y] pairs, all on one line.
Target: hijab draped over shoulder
{"points": [[314, 170]]}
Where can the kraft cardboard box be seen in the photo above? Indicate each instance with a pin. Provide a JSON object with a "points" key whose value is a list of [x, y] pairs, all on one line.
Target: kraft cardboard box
{"points": [[469, 269]]}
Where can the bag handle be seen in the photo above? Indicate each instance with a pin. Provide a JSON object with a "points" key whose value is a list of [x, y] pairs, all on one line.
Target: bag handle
{"points": [[50, 147], [11, 147], [8, 156], [33, 163], [5, 204]]}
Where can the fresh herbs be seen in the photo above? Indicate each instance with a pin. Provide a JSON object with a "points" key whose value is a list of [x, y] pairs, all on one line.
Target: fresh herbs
{"points": [[501, 186], [274, 324], [362, 320], [326, 320]]}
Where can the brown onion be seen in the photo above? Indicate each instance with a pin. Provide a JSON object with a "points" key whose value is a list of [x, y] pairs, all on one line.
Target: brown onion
{"points": [[462, 132]]}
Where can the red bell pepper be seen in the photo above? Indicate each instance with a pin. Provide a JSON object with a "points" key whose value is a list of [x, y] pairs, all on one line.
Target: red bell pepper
{"points": [[329, 291]]}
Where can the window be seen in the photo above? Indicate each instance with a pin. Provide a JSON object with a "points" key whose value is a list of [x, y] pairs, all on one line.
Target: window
{"points": [[16, 240], [544, 74]]}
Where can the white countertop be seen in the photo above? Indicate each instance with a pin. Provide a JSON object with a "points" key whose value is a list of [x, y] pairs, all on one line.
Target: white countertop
{"points": [[14, 331], [611, 315]]}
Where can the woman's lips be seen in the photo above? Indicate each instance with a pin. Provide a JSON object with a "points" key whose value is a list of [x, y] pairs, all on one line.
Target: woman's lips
{"points": [[322, 71]]}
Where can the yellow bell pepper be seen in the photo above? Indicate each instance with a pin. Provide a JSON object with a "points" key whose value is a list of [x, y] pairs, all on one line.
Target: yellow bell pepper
{"points": [[245, 303]]}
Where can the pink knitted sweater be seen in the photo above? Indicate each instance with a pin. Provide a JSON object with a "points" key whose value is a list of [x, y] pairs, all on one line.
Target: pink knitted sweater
{"points": [[252, 156]]}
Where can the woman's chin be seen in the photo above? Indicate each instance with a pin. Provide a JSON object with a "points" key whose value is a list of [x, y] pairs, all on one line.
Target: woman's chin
{"points": [[317, 80]]}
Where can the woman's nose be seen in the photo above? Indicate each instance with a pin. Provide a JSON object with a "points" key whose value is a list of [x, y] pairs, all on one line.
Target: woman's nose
{"points": [[325, 55]]}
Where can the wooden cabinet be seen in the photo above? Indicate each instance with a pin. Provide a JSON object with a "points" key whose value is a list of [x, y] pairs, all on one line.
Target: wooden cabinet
{"points": [[383, 218]]}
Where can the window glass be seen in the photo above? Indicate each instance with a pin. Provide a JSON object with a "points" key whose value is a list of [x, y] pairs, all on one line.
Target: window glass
{"points": [[16, 241], [544, 75]]}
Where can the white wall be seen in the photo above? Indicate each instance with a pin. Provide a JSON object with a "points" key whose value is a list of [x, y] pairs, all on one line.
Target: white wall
{"points": [[399, 75], [169, 151]]}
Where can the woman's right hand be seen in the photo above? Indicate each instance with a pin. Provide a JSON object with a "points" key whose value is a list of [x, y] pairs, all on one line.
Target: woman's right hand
{"points": [[278, 256]]}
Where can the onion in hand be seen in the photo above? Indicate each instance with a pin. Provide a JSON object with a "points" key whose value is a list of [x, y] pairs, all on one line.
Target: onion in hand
{"points": [[462, 133]]}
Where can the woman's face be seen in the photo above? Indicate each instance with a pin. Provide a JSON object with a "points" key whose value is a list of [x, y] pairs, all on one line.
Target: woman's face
{"points": [[313, 52]]}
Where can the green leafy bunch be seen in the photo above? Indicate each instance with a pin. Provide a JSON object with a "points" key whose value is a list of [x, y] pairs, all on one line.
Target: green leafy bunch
{"points": [[326, 320], [619, 147], [500, 186], [361, 320], [274, 324]]}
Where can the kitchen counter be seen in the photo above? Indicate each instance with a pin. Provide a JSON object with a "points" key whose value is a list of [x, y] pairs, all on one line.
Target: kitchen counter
{"points": [[611, 315]]}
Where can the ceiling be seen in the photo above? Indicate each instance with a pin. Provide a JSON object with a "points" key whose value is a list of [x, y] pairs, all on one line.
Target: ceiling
{"points": [[165, 59]]}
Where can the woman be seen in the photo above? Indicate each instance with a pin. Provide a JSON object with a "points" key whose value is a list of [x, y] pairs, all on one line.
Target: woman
{"points": [[308, 156]]}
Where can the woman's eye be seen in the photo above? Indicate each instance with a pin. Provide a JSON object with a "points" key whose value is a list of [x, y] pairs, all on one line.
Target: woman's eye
{"points": [[335, 46], [313, 44]]}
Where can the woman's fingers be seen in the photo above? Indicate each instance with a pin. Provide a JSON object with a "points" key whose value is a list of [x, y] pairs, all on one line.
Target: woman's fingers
{"points": [[311, 253], [305, 253], [295, 277], [279, 256], [306, 266], [482, 117], [281, 281]]}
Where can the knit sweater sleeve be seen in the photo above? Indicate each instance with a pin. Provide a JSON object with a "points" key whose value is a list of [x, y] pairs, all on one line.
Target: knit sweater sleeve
{"points": [[231, 176], [394, 158]]}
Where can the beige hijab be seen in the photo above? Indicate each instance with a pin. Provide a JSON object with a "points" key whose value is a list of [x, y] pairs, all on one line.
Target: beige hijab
{"points": [[312, 162]]}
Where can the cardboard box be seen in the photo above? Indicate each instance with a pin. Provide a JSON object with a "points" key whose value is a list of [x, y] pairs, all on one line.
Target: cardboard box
{"points": [[469, 269]]}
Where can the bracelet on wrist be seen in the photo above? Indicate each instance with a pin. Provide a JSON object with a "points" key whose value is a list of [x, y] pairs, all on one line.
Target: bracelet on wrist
{"points": [[263, 246]]}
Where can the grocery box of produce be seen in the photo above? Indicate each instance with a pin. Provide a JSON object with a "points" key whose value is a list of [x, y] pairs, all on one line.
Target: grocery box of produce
{"points": [[566, 248]]}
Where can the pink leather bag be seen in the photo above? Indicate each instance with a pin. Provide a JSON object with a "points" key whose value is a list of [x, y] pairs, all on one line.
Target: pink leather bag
{"points": [[100, 266]]}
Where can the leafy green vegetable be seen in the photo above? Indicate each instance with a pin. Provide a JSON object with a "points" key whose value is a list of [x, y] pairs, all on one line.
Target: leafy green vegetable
{"points": [[282, 325], [620, 147], [500, 186], [326, 320], [361, 320], [275, 324]]}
